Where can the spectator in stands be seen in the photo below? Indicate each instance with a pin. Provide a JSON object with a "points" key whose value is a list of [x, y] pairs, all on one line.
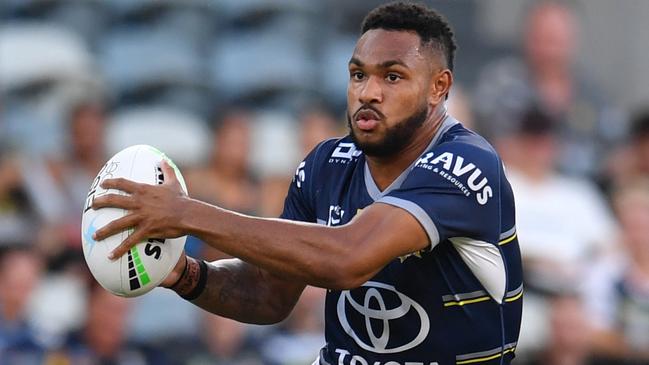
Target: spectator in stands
{"points": [[224, 342], [316, 125], [16, 210], [58, 186], [632, 160], [20, 272], [563, 223], [103, 340], [301, 334], [546, 75], [227, 179], [569, 340], [618, 291]]}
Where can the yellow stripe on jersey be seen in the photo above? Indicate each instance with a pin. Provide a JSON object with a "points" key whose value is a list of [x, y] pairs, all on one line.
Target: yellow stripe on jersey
{"points": [[468, 301], [487, 358], [507, 240], [514, 297]]}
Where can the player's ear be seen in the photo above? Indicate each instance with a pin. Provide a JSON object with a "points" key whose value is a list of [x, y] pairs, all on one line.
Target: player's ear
{"points": [[440, 85]]}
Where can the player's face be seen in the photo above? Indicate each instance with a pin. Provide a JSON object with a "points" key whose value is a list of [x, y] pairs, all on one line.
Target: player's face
{"points": [[388, 91]]}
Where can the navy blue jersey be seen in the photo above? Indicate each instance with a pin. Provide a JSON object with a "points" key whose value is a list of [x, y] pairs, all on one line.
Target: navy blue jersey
{"points": [[457, 302]]}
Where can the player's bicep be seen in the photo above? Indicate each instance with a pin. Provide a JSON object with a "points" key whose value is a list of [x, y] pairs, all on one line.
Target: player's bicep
{"points": [[381, 233]]}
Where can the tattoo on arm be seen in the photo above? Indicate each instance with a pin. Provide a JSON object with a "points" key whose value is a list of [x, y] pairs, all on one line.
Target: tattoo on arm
{"points": [[238, 290]]}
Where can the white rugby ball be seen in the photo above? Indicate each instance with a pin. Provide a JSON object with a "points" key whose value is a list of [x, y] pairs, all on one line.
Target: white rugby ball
{"points": [[147, 263]]}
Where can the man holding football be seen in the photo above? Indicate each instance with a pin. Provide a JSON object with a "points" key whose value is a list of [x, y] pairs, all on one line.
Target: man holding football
{"points": [[408, 221]]}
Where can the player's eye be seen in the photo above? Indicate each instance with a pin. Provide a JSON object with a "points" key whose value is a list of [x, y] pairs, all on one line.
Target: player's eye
{"points": [[392, 77], [357, 75]]}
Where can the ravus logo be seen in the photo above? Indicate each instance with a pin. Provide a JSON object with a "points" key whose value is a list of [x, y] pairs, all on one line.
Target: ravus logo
{"points": [[452, 168]]}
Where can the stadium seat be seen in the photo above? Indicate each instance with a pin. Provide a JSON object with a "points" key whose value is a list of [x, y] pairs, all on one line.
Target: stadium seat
{"points": [[193, 20], [239, 10], [133, 58], [32, 53], [141, 64], [184, 137], [273, 60], [84, 17], [273, 129], [43, 68]]}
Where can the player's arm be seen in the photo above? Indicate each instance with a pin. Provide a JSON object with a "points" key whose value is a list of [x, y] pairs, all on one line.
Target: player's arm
{"points": [[341, 257], [236, 289], [331, 257]]}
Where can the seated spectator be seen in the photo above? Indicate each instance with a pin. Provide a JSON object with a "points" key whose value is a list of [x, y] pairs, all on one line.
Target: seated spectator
{"points": [[632, 160], [58, 185], [103, 340], [618, 292], [546, 74], [225, 342], [316, 125], [563, 223], [17, 212], [227, 180], [569, 333], [20, 272], [299, 338]]}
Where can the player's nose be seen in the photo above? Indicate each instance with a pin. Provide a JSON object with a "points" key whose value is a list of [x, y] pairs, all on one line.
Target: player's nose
{"points": [[371, 92]]}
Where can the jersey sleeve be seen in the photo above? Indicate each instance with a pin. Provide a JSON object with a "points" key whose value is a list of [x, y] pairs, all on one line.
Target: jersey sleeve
{"points": [[299, 204], [453, 192]]}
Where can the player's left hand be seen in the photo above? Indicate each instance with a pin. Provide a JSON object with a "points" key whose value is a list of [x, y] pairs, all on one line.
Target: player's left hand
{"points": [[153, 210]]}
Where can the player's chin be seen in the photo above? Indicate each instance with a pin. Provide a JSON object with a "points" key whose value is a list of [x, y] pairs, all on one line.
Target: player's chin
{"points": [[370, 146]]}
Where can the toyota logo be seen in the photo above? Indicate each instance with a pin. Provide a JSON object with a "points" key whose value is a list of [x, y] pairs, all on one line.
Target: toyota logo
{"points": [[379, 342]]}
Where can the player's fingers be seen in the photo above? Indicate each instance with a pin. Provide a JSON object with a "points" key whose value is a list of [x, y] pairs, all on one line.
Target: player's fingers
{"points": [[132, 240], [113, 201], [169, 173], [115, 227], [122, 184]]}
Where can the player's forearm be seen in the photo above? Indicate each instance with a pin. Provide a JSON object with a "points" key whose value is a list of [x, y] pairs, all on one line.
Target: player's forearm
{"points": [[240, 291], [309, 253]]}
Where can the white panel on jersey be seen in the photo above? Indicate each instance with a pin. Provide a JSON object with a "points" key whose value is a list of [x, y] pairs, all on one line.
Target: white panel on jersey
{"points": [[485, 262]]}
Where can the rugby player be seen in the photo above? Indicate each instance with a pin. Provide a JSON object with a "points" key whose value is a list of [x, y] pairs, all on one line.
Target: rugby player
{"points": [[408, 221]]}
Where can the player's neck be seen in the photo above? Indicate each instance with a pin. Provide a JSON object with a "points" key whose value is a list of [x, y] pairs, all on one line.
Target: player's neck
{"points": [[386, 169]]}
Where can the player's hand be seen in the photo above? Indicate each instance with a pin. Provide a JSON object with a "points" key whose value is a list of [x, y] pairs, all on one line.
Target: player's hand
{"points": [[154, 211], [176, 273]]}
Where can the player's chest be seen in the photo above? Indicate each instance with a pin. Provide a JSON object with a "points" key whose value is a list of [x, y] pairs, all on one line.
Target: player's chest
{"points": [[341, 199]]}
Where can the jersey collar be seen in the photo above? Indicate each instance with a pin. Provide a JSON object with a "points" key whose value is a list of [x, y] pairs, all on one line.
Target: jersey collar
{"points": [[373, 189]]}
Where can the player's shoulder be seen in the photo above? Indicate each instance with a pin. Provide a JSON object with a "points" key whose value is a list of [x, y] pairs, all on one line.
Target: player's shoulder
{"points": [[461, 139], [460, 144], [461, 159]]}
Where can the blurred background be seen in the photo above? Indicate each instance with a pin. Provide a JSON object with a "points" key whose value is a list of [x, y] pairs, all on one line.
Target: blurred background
{"points": [[238, 91]]}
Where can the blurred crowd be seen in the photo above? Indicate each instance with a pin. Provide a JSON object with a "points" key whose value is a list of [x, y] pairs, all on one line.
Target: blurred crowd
{"points": [[237, 92]]}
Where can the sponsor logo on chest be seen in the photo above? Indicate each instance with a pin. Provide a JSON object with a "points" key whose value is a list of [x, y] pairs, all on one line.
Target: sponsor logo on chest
{"points": [[345, 153]]}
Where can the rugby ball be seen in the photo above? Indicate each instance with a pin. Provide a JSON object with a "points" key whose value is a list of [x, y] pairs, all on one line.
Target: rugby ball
{"points": [[147, 263]]}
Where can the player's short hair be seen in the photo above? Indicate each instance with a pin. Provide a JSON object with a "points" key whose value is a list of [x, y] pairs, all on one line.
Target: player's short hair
{"points": [[431, 26]]}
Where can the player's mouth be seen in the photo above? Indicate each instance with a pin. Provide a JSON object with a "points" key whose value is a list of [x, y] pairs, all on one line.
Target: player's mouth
{"points": [[367, 119]]}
